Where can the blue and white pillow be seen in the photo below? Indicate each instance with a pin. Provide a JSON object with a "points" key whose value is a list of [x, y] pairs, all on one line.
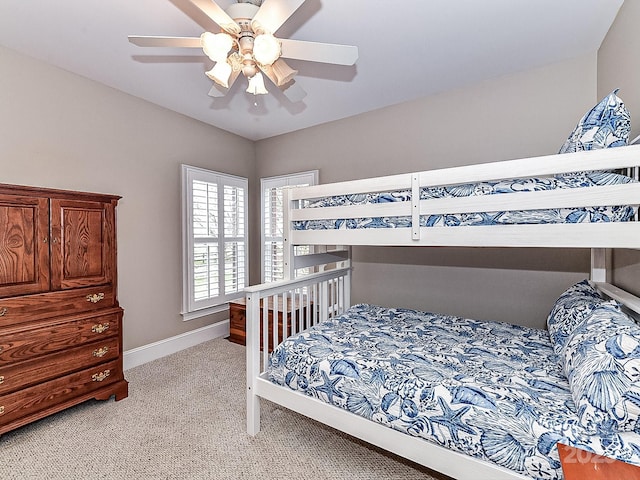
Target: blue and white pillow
{"points": [[602, 364], [606, 125], [569, 311]]}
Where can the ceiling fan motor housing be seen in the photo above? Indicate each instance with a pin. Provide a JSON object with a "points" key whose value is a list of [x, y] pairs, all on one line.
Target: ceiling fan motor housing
{"points": [[242, 13]]}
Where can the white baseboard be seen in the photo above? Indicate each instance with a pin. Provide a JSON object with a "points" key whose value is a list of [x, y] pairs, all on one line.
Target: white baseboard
{"points": [[153, 351]]}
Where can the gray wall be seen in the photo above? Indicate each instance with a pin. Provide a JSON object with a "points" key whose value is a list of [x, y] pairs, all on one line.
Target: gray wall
{"points": [[520, 115], [60, 130], [619, 67], [64, 131]]}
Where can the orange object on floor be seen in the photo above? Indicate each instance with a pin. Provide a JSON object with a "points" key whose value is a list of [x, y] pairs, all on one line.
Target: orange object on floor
{"points": [[579, 464]]}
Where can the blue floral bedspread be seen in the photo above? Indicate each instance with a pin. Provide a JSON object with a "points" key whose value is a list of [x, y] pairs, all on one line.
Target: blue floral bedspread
{"points": [[560, 215], [491, 390]]}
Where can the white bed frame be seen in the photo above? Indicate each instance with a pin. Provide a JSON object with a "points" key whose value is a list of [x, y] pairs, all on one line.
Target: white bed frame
{"points": [[326, 293]]}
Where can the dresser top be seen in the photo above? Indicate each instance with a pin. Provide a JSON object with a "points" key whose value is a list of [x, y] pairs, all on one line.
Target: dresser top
{"points": [[55, 192]]}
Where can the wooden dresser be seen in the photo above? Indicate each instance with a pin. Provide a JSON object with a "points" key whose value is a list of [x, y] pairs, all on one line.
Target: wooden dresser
{"points": [[60, 322]]}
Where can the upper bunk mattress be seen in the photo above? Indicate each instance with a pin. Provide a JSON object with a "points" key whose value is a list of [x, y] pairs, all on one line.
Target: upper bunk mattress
{"points": [[619, 213], [491, 390]]}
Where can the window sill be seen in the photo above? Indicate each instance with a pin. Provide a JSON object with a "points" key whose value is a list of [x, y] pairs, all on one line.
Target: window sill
{"points": [[204, 312]]}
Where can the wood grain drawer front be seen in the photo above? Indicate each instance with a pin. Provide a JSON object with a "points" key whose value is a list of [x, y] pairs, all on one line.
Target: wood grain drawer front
{"points": [[47, 394], [35, 307], [32, 343], [32, 372]]}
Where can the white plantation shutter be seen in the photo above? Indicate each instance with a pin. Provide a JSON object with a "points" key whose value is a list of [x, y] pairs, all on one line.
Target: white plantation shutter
{"points": [[272, 221], [204, 261], [273, 234], [234, 238], [214, 239]]}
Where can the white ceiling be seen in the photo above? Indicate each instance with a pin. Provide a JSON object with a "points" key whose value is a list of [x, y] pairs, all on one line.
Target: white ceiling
{"points": [[407, 49]]}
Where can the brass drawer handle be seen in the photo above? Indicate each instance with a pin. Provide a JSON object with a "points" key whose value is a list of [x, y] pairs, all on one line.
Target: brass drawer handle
{"points": [[1, 379], [99, 328], [95, 298], [1, 409], [98, 377], [3, 311], [98, 352]]}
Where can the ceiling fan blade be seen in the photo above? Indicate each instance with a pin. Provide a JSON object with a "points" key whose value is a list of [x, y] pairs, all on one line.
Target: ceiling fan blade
{"points": [[218, 15], [218, 91], [273, 13], [179, 42], [319, 52]]}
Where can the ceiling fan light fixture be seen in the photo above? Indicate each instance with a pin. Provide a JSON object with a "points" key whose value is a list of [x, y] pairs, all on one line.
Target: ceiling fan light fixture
{"points": [[216, 46], [283, 72], [266, 49], [220, 73], [256, 85]]}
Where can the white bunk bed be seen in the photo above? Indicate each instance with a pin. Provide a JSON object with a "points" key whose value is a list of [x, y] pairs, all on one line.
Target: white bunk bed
{"points": [[325, 294]]}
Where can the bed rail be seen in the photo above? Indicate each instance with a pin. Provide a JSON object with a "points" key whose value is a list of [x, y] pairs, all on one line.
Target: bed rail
{"points": [[279, 309], [579, 235]]}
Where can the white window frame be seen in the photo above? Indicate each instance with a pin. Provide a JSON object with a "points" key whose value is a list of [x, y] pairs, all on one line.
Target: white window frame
{"points": [[192, 308], [301, 178]]}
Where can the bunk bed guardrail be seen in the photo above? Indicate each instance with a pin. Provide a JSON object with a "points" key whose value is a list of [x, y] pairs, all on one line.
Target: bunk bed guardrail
{"points": [[576, 235], [280, 309]]}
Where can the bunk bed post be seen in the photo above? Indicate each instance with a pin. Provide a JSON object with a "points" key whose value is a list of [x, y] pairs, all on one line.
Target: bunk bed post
{"points": [[415, 206], [347, 280], [600, 262], [289, 267], [253, 361]]}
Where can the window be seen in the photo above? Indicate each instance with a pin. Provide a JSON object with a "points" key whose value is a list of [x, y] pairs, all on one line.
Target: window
{"points": [[214, 218], [272, 221]]}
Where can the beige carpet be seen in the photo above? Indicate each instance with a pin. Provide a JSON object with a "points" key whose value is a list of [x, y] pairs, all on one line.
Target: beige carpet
{"points": [[185, 419]]}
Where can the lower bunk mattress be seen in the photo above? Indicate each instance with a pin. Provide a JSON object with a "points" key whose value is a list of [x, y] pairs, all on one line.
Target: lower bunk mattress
{"points": [[491, 390]]}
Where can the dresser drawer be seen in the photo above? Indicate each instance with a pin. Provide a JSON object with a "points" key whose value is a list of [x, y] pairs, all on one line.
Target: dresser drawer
{"points": [[31, 372], [44, 305], [28, 343], [48, 394]]}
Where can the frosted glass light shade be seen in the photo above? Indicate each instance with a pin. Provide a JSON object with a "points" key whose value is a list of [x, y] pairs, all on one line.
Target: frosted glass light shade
{"points": [[256, 85], [216, 45], [283, 72], [266, 49], [220, 73]]}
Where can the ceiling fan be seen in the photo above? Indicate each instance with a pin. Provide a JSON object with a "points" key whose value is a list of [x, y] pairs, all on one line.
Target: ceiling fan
{"points": [[247, 45]]}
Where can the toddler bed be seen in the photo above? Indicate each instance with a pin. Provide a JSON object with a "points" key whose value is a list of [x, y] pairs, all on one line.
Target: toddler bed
{"points": [[481, 400]]}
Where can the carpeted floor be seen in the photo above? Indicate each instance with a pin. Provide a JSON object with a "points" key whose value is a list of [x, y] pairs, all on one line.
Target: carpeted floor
{"points": [[185, 419]]}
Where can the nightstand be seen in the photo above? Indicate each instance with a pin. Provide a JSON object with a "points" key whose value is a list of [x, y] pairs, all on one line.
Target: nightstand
{"points": [[579, 464], [238, 319]]}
